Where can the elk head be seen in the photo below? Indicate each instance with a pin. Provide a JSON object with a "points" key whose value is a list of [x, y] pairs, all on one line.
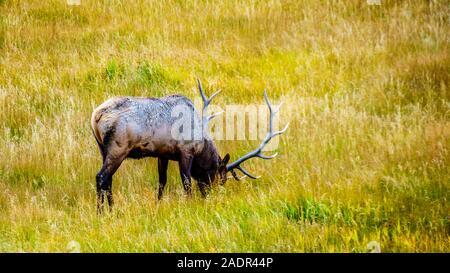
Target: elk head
{"points": [[220, 167]]}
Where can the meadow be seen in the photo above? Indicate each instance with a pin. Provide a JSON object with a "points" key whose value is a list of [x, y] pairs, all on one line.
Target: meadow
{"points": [[365, 88]]}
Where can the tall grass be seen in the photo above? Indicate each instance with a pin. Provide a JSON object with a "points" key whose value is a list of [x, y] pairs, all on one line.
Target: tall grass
{"points": [[366, 90]]}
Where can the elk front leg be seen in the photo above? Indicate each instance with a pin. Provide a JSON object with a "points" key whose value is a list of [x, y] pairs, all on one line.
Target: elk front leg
{"points": [[204, 189], [162, 172], [185, 173]]}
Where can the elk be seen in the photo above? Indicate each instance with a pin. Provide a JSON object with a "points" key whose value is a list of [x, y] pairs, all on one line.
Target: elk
{"points": [[138, 127]]}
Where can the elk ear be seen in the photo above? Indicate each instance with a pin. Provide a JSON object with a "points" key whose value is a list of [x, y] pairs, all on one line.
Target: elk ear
{"points": [[225, 159]]}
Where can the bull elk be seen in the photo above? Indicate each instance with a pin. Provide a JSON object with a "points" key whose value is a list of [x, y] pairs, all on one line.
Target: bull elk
{"points": [[138, 127]]}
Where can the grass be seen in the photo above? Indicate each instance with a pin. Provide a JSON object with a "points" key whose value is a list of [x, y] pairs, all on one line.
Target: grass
{"points": [[366, 90]]}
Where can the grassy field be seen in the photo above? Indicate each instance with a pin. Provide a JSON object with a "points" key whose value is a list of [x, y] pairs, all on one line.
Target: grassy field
{"points": [[366, 91]]}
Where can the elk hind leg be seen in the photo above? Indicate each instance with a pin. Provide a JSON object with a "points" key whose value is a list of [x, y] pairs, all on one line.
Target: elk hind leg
{"points": [[104, 179], [185, 164], [162, 172]]}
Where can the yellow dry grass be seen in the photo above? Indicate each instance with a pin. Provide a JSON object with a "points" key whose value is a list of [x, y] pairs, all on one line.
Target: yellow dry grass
{"points": [[366, 90]]}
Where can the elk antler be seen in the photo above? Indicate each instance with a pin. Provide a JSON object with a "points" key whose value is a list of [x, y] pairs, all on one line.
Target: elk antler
{"points": [[206, 102], [258, 152]]}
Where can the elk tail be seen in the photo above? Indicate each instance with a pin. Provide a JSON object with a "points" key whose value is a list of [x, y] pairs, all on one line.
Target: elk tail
{"points": [[96, 116]]}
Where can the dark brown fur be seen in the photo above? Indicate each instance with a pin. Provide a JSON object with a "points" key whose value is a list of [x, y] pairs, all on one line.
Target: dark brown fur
{"points": [[132, 127], [198, 159]]}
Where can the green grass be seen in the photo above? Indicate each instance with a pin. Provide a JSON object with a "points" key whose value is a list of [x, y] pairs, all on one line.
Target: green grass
{"points": [[366, 91]]}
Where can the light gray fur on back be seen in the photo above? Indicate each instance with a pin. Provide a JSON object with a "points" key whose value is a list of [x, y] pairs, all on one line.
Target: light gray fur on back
{"points": [[144, 124]]}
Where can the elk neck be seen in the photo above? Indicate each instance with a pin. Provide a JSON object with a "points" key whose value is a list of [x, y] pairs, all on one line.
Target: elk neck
{"points": [[206, 162], [209, 157]]}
